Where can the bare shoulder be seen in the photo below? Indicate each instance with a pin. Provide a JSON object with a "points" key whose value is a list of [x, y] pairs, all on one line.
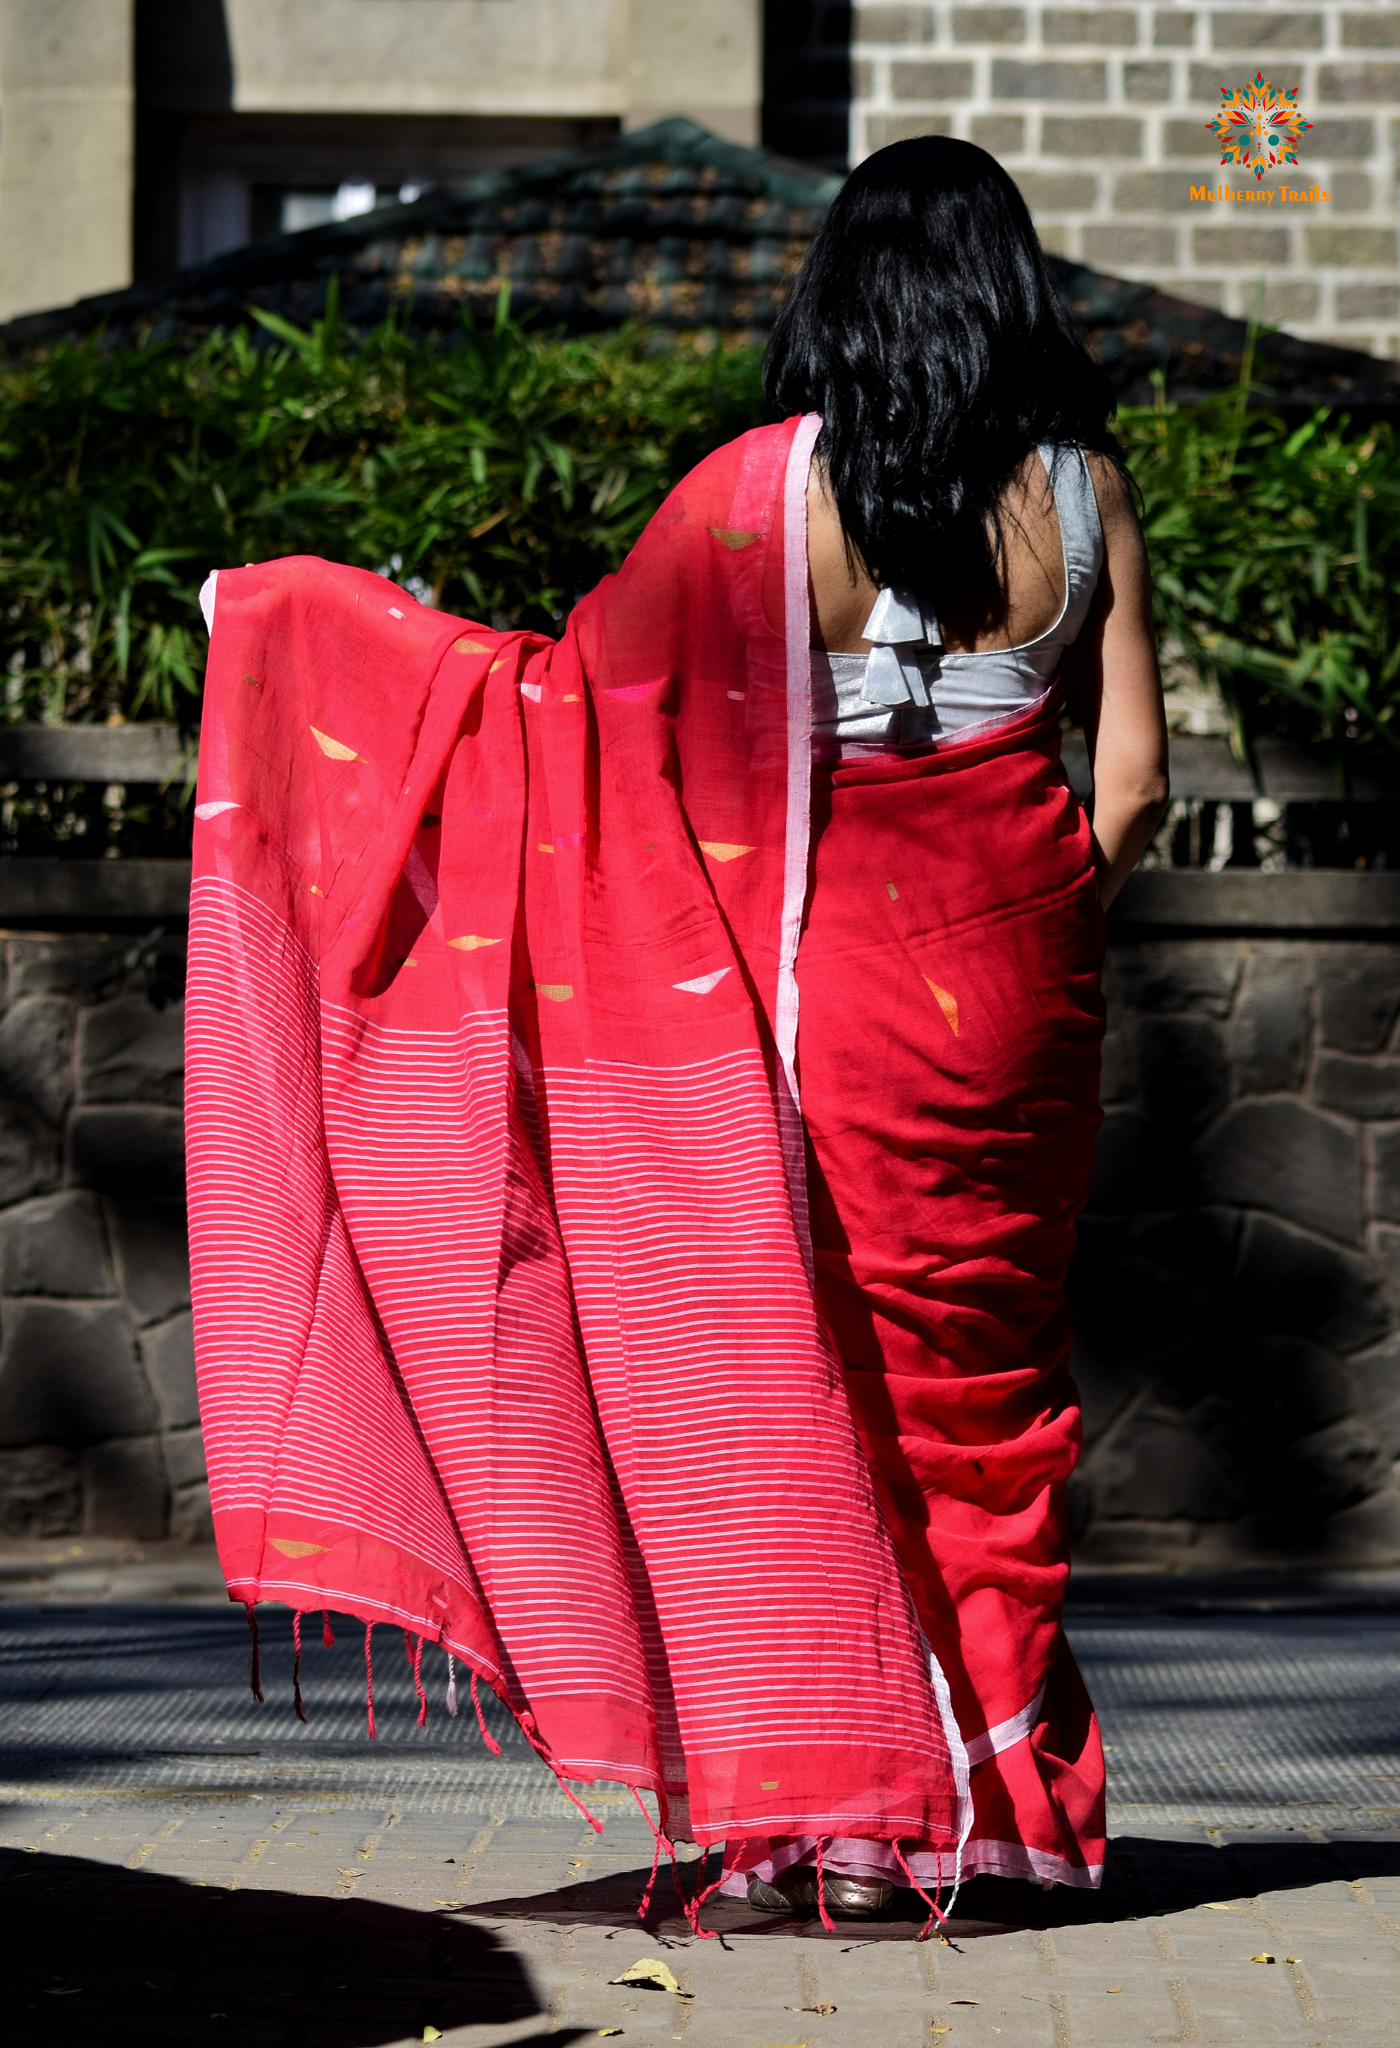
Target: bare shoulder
{"points": [[1117, 511]]}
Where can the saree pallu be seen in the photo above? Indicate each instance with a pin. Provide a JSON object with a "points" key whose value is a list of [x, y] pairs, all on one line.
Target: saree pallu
{"points": [[511, 1326]]}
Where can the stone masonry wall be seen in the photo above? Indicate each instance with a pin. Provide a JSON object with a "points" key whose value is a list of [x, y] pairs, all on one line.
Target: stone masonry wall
{"points": [[1237, 1285], [1099, 112], [1237, 1288], [99, 1421]]}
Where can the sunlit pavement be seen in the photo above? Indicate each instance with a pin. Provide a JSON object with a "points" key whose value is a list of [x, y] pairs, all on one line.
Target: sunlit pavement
{"points": [[178, 1862]]}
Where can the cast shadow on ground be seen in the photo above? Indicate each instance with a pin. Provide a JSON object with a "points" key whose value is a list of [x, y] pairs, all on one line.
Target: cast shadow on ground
{"points": [[95, 1953], [1143, 1877]]}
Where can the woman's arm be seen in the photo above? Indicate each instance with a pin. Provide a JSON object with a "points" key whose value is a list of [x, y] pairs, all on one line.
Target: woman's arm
{"points": [[1117, 691]]}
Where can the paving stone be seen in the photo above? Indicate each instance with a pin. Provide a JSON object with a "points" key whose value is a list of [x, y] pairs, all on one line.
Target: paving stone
{"points": [[125, 1489], [68, 1375], [1357, 1001], [30, 1160], [1377, 1377], [151, 1245], [41, 1492], [1287, 1158], [191, 1518], [1189, 975], [1183, 1070], [55, 1245], [1202, 1246], [1338, 1466], [1268, 1039], [1132, 1171], [1295, 1285], [80, 964], [129, 1051], [128, 1151], [36, 1055], [1357, 1087], [167, 1353], [1155, 1466]]}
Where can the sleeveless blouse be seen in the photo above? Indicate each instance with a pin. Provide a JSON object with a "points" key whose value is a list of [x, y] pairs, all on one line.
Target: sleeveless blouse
{"points": [[909, 692]]}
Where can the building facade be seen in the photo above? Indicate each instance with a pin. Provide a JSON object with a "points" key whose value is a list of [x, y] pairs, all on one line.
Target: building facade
{"points": [[137, 136], [1100, 113]]}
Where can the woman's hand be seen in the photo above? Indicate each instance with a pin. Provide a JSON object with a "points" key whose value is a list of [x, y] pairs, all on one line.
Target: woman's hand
{"points": [[1117, 691]]}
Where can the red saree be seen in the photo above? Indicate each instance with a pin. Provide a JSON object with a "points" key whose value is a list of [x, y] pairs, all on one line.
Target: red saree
{"points": [[504, 1304]]}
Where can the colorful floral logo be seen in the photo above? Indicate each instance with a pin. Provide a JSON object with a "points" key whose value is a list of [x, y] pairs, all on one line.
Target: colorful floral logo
{"points": [[1258, 126]]}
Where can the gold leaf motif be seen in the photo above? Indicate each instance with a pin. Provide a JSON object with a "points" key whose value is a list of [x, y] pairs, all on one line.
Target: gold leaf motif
{"points": [[894, 893], [556, 991], [733, 537], [721, 849], [571, 698], [332, 747], [290, 1547], [544, 846], [947, 1004], [469, 942], [465, 646]]}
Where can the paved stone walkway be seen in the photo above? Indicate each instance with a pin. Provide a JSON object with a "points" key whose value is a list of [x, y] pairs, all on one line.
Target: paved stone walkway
{"points": [[179, 1864]]}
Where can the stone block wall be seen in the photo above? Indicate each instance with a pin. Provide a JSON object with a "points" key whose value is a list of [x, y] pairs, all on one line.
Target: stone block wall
{"points": [[99, 1423], [1099, 111], [1237, 1285]]}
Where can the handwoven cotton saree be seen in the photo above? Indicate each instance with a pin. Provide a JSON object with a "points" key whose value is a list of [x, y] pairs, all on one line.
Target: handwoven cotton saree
{"points": [[505, 1313]]}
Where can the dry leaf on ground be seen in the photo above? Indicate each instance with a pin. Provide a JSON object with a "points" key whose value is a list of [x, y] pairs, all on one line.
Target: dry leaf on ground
{"points": [[649, 1970], [1261, 1959]]}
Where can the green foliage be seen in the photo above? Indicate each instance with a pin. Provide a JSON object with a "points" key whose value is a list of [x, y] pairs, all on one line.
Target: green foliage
{"points": [[501, 474], [496, 474], [1276, 564]]}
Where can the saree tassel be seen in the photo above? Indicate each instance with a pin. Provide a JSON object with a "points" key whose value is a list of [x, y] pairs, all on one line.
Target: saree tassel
{"points": [[541, 1749], [296, 1665], [660, 1840], [702, 1897], [255, 1667], [408, 1649], [935, 1912], [487, 1737], [369, 1679], [451, 1701], [418, 1682], [822, 1913], [327, 1632]]}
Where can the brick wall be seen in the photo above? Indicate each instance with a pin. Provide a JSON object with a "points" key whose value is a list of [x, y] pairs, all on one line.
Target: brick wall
{"points": [[1099, 112]]}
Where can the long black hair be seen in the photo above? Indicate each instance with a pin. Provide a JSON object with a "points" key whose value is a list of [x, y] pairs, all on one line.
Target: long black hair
{"points": [[926, 330]]}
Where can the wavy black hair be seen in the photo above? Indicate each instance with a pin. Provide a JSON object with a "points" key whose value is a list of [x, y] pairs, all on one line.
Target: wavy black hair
{"points": [[926, 330]]}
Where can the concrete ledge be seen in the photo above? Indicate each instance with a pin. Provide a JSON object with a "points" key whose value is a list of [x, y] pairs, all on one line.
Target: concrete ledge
{"points": [[96, 892], [1304, 899], [1206, 768], [94, 753]]}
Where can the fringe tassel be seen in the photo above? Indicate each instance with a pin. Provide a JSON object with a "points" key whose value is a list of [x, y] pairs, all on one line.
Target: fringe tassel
{"points": [[487, 1737], [327, 1632], [822, 1913], [408, 1649], [255, 1669], [418, 1681], [296, 1665], [934, 1910], [705, 1933], [527, 1729], [451, 1701], [369, 1678], [661, 1842]]}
